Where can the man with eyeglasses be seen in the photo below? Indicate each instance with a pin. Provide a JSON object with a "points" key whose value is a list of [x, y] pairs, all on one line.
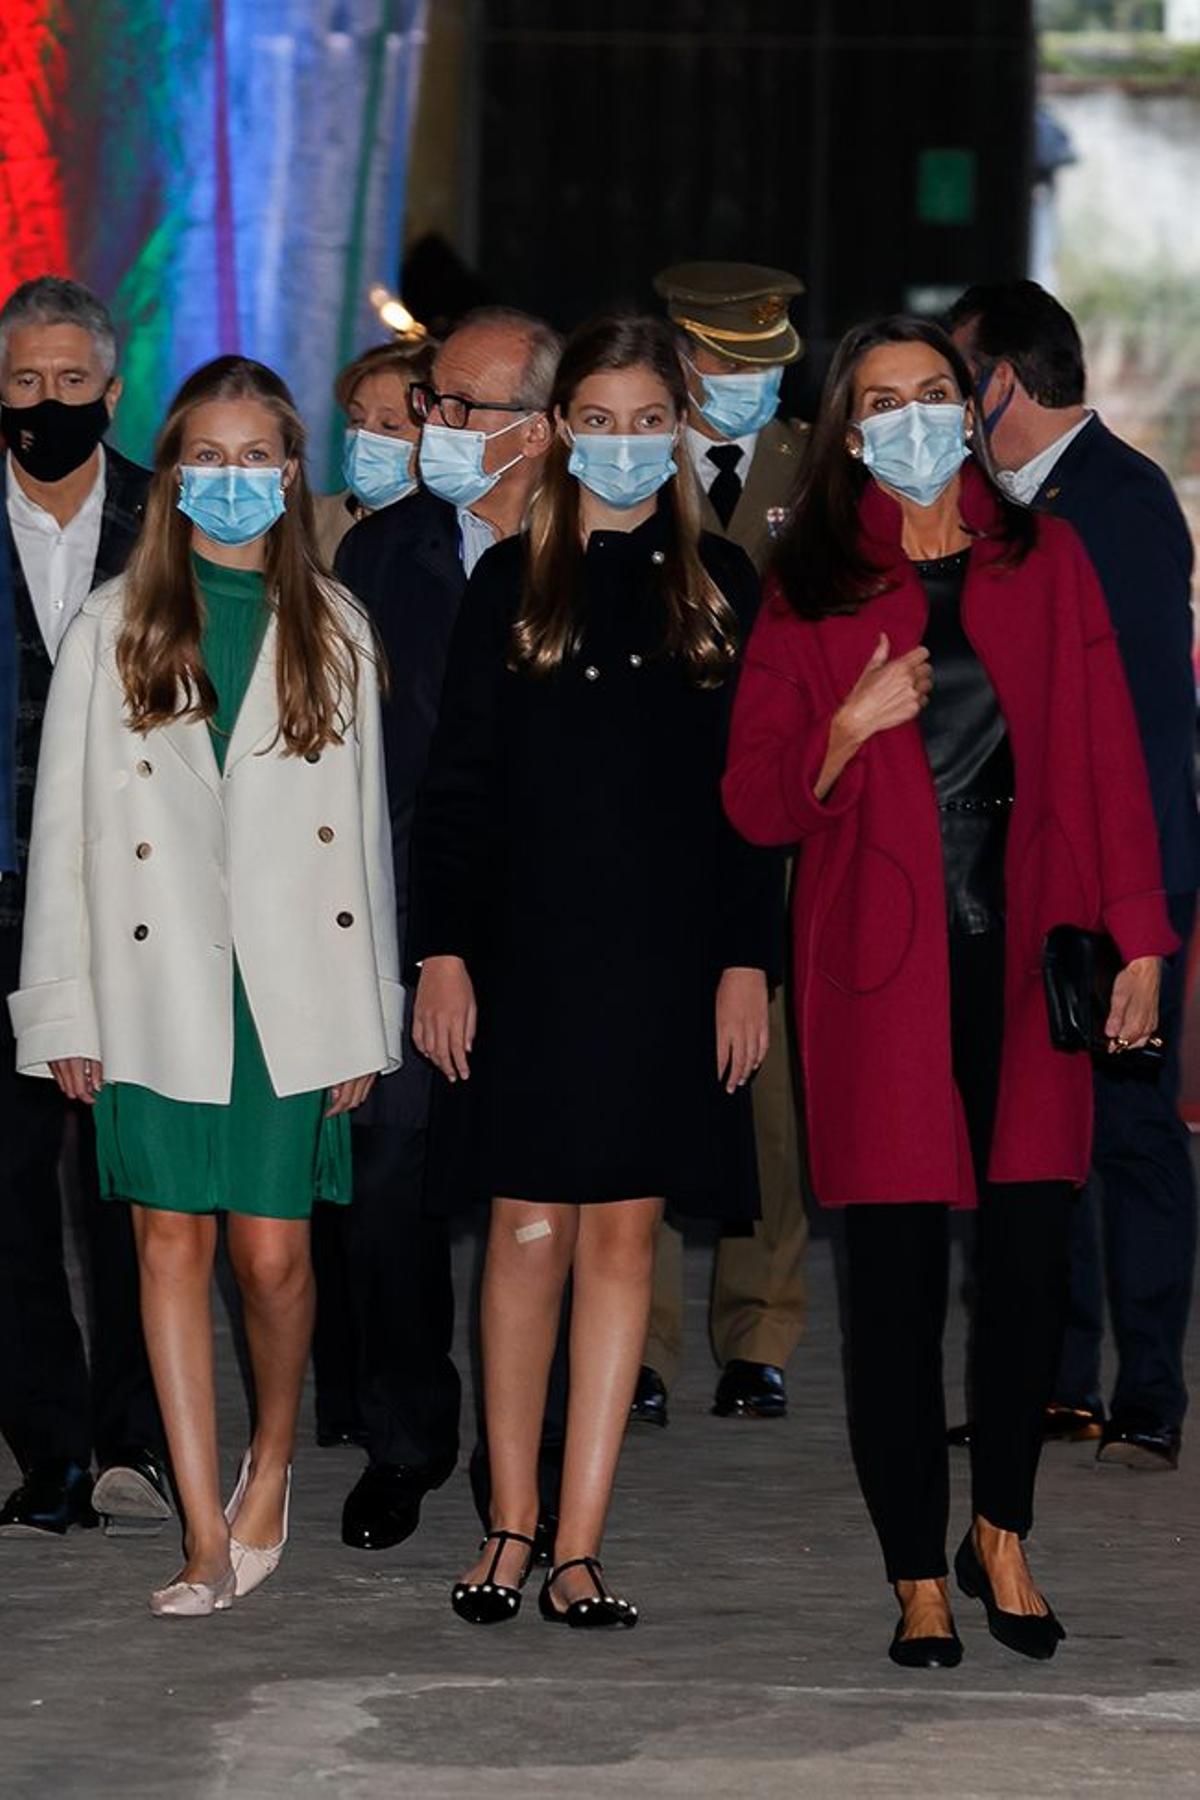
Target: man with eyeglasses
{"points": [[484, 434]]}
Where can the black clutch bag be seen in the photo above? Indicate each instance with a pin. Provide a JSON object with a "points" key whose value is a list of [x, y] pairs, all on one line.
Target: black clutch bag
{"points": [[1079, 968]]}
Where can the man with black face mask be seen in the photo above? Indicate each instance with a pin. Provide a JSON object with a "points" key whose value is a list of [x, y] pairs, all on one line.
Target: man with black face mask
{"points": [[70, 512]]}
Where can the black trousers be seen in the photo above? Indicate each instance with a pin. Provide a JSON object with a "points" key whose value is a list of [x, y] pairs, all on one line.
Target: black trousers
{"points": [[51, 1406], [898, 1265], [385, 1308], [1142, 1205]]}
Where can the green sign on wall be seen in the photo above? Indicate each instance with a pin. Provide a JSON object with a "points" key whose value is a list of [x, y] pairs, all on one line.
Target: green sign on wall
{"points": [[946, 187]]}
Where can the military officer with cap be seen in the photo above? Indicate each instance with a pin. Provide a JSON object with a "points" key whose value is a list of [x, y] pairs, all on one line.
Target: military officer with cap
{"points": [[735, 339]]}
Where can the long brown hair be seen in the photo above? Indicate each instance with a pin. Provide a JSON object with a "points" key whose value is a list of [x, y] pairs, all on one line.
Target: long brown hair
{"points": [[158, 650], [820, 561], [700, 625]]}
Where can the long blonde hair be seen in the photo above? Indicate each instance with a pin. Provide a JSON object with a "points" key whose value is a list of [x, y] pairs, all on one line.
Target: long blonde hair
{"points": [[158, 650], [700, 627]]}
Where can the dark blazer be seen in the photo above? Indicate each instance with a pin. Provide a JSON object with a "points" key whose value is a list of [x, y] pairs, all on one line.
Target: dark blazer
{"points": [[885, 1121], [125, 489], [404, 565], [1123, 508]]}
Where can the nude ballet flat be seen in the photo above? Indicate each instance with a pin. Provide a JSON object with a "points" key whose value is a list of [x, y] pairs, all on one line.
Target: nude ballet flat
{"points": [[194, 1599], [252, 1564]]}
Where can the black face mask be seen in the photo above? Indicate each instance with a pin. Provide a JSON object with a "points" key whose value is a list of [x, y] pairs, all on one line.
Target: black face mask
{"points": [[51, 440]]}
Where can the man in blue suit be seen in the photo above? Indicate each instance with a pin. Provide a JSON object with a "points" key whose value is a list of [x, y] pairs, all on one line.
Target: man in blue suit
{"points": [[1054, 453]]}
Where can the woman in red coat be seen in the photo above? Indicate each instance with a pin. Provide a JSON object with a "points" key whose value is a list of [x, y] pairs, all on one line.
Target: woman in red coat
{"points": [[933, 707]]}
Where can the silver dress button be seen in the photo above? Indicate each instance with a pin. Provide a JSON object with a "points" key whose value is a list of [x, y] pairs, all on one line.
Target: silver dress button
{"points": [[658, 557], [591, 673], [635, 661]]}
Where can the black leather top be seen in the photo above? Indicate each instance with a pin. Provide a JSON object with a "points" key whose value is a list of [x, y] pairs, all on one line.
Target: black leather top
{"points": [[969, 754]]}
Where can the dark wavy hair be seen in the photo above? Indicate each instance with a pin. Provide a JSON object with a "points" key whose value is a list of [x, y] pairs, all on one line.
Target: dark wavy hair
{"points": [[700, 625], [820, 563]]}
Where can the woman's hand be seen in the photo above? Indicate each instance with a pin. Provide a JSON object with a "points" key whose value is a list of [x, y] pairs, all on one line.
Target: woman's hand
{"points": [[79, 1077], [345, 1096], [890, 691], [742, 1035], [1133, 1018], [444, 1015]]}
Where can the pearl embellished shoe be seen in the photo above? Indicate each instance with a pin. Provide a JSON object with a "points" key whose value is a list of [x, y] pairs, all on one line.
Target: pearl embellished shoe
{"points": [[603, 1613], [251, 1563], [193, 1599], [488, 1602]]}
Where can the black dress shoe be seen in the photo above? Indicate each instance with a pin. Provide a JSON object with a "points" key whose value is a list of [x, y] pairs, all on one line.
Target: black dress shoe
{"points": [[649, 1398], [53, 1496], [333, 1433], [132, 1494], [1030, 1634], [384, 1505], [925, 1652], [1141, 1442], [961, 1437], [750, 1390]]}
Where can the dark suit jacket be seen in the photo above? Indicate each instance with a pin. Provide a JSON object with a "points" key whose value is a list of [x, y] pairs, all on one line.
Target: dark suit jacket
{"points": [[1123, 508], [405, 566], [125, 488]]}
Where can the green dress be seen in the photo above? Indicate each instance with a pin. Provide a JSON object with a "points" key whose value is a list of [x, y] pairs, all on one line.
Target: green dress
{"points": [[259, 1154]]}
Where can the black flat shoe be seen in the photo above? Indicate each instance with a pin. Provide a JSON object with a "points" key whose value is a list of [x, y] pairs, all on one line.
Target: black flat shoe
{"points": [[1030, 1634], [132, 1494], [961, 1437], [750, 1390], [488, 1602], [383, 1508], [605, 1613], [333, 1434], [925, 1652], [54, 1496], [649, 1398], [1140, 1442]]}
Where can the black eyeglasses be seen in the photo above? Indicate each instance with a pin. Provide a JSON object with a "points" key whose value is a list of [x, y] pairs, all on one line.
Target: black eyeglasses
{"points": [[455, 409]]}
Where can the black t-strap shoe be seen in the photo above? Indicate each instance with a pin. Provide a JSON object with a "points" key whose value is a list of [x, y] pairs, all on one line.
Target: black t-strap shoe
{"points": [[604, 1613], [488, 1602]]}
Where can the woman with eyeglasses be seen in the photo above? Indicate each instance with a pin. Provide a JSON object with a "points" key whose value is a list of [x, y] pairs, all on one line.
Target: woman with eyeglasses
{"points": [[594, 940], [933, 708]]}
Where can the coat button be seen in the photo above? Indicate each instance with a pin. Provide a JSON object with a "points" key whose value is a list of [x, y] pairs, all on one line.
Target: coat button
{"points": [[142, 852], [591, 673], [145, 768], [658, 557], [141, 933], [325, 833], [635, 661], [345, 920], [312, 756]]}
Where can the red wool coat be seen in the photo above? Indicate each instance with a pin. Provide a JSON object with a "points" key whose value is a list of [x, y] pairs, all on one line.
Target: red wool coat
{"points": [[885, 1122]]}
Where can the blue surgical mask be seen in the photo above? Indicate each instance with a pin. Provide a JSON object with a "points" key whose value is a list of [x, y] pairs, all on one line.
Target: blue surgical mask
{"points": [[378, 469], [916, 449], [622, 471], [992, 419], [231, 504], [737, 405], [451, 462]]}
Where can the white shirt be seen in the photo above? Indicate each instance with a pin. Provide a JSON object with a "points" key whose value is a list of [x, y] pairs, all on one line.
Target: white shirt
{"points": [[706, 471], [475, 536], [58, 561], [1023, 484]]}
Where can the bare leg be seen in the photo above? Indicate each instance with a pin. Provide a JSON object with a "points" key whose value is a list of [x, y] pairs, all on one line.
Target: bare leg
{"points": [[175, 1260], [1003, 1556], [520, 1301], [272, 1262], [614, 1267]]}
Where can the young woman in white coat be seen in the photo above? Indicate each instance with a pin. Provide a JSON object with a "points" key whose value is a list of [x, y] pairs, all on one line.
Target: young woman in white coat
{"points": [[210, 950]]}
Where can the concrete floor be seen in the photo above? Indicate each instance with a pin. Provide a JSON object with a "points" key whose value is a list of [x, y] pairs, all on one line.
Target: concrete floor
{"points": [[758, 1671]]}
